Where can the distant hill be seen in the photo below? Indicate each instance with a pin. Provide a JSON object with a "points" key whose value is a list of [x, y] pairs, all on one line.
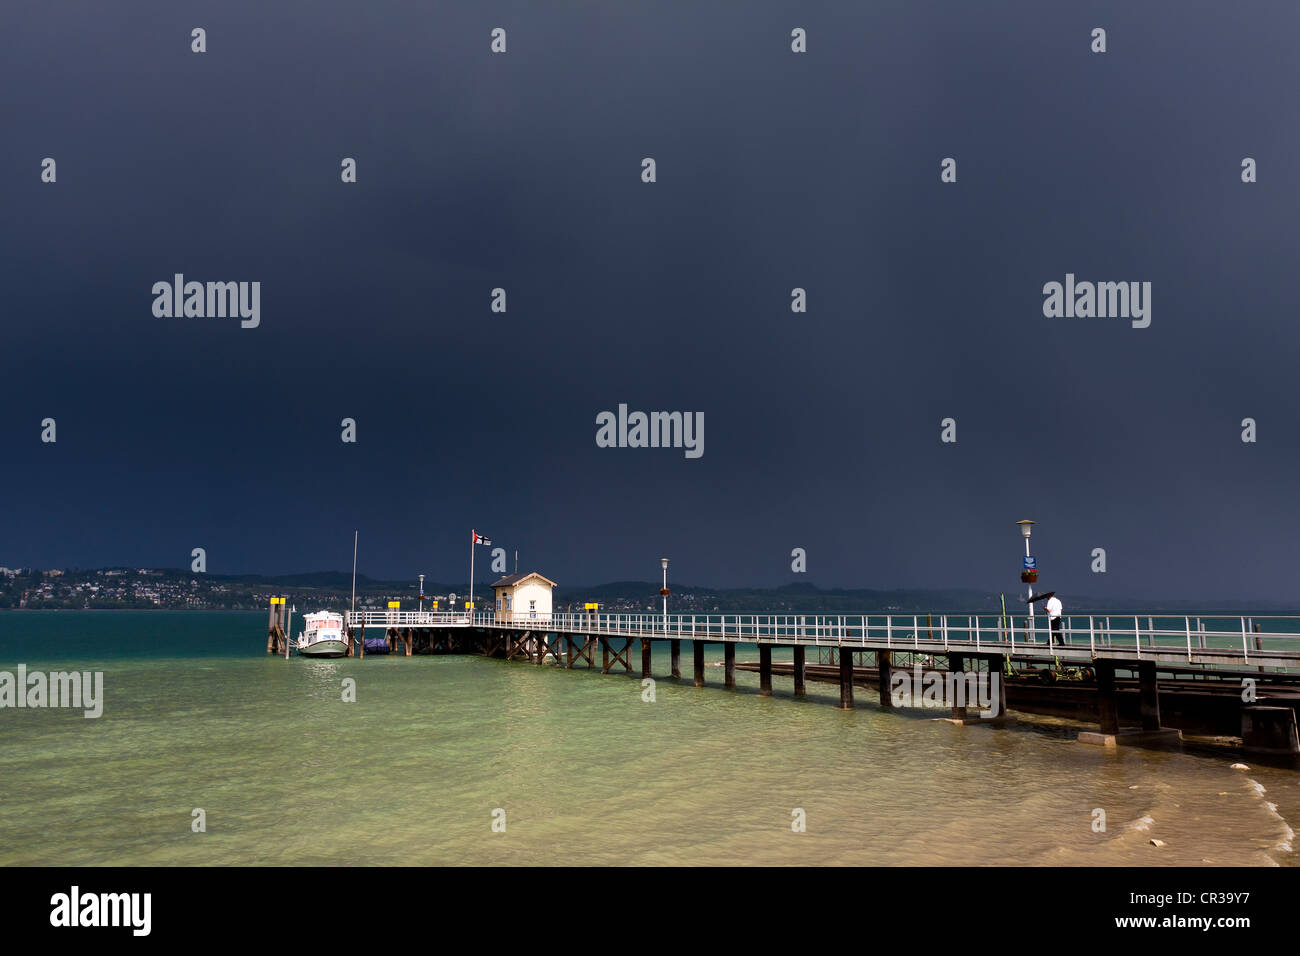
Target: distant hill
{"points": [[180, 588]]}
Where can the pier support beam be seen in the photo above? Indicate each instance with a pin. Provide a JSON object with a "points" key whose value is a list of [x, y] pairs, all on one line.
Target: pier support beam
{"points": [[645, 657], [675, 647], [1150, 695], [800, 672], [885, 660], [1107, 711], [729, 664], [996, 668], [765, 670], [956, 664], [585, 651], [611, 657], [697, 647], [846, 677]]}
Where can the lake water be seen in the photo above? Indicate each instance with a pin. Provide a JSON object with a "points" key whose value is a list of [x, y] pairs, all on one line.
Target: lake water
{"points": [[196, 715]]}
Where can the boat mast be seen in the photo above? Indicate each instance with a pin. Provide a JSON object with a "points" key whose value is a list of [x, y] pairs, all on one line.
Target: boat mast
{"points": [[354, 572]]}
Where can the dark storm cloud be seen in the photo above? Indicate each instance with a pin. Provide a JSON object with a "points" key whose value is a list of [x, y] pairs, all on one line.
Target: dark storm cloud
{"points": [[775, 171]]}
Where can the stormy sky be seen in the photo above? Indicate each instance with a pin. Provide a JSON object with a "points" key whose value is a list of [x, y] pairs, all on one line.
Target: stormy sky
{"points": [[775, 170]]}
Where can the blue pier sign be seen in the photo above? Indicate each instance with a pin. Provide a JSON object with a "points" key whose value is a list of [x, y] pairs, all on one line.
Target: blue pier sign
{"points": [[1031, 563]]}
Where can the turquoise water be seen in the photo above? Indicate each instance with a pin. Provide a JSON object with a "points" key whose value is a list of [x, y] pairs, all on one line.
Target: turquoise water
{"points": [[197, 716]]}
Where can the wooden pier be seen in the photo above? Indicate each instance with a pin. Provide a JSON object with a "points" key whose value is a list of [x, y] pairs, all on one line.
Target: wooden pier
{"points": [[863, 647]]}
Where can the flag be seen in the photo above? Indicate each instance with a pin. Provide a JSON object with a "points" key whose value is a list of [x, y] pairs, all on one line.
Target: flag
{"points": [[479, 539]]}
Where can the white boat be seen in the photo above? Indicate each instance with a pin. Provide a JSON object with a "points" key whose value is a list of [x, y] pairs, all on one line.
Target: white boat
{"points": [[323, 636]]}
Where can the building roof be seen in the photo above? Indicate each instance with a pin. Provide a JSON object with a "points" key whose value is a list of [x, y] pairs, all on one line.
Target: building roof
{"points": [[510, 580]]}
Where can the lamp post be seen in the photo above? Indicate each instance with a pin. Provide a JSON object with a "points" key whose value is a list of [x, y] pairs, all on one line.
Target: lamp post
{"points": [[664, 592], [1026, 529], [421, 592]]}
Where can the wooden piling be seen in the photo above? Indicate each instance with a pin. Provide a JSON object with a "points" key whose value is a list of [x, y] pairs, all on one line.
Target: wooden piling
{"points": [[675, 648], [697, 647], [604, 648], [885, 664], [645, 657], [275, 627], [800, 672], [1107, 711], [1150, 695], [765, 670], [729, 664], [955, 666], [998, 673], [846, 678]]}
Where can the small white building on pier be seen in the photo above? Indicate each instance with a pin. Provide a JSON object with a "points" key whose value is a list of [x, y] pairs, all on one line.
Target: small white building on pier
{"points": [[523, 597]]}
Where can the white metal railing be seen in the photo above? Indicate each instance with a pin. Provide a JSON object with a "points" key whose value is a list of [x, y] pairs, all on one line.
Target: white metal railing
{"points": [[1200, 640], [396, 618]]}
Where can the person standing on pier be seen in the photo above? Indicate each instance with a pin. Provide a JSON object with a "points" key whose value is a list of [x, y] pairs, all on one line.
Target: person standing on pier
{"points": [[1053, 608]]}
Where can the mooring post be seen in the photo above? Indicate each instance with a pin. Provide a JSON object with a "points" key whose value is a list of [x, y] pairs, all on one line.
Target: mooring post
{"points": [[645, 657], [997, 670], [765, 670], [846, 677], [729, 664], [800, 688], [1107, 711], [885, 662], [955, 665], [675, 646], [697, 647], [1150, 693]]}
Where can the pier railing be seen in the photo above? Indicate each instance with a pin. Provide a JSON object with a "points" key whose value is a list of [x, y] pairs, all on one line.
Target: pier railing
{"points": [[1260, 641], [401, 619]]}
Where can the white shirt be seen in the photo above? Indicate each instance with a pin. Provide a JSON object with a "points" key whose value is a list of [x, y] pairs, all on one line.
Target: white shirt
{"points": [[1053, 607]]}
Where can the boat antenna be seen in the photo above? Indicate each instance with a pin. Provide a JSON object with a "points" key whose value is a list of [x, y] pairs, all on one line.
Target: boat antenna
{"points": [[354, 572]]}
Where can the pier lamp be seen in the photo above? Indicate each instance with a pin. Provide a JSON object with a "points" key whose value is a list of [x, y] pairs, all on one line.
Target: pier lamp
{"points": [[664, 591], [1029, 575], [421, 592]]}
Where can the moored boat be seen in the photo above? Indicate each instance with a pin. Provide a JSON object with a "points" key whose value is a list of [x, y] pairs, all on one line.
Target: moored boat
{"points": [[323, 636]]}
